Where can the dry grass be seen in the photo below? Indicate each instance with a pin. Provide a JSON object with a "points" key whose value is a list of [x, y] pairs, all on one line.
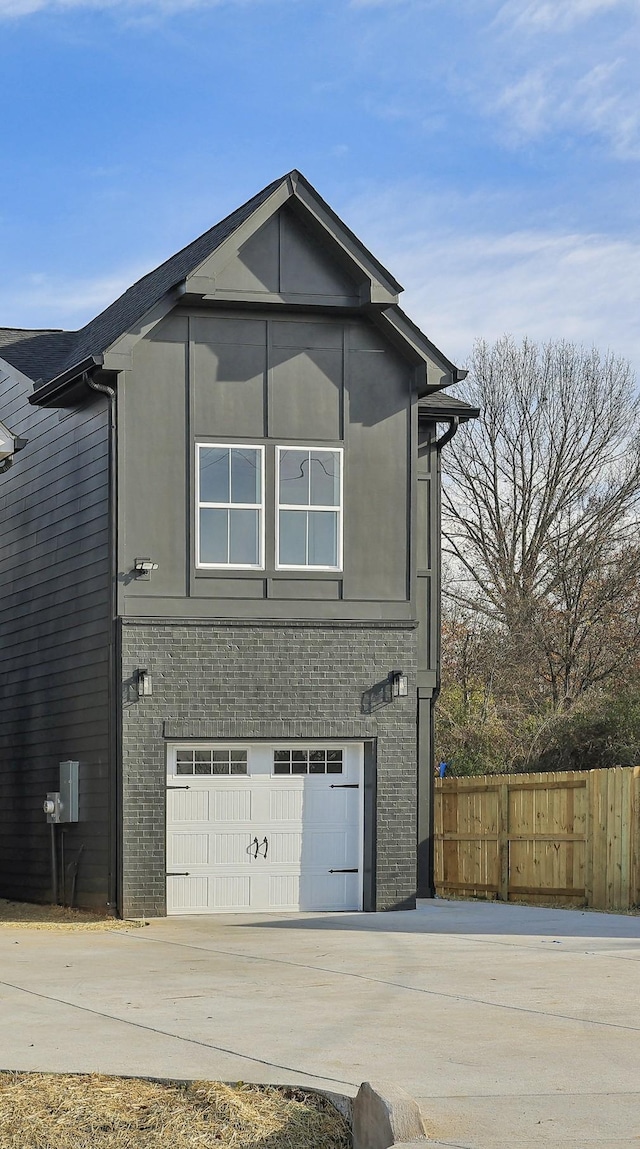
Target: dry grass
{"points": [[68, 1111], [27, 915]]}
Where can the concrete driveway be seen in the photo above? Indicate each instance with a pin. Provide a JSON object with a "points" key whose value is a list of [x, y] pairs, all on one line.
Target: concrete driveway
{"points": [[513, 1026]]}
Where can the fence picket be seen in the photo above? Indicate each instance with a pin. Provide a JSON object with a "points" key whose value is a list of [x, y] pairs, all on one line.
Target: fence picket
{"points": [[573, 837]]}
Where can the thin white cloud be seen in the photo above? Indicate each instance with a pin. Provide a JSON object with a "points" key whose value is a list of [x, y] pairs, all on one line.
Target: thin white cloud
{"points": [[543, 15], [463, 282], [564, 66], [41, 300], [14, 9]]}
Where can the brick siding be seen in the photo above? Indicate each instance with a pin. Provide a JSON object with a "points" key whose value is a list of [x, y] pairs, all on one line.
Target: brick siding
{"points": [[266, 681]]}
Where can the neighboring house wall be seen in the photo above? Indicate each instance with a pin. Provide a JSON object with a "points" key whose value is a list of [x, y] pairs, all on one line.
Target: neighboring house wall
{"points": [[54, 641]]}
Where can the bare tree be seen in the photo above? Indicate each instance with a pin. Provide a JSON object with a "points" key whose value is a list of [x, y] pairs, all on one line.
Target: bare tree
{"points": [[541, 506]]}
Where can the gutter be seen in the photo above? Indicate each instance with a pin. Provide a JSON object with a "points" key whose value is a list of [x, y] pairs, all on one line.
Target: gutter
{"points": [[56, 386]]}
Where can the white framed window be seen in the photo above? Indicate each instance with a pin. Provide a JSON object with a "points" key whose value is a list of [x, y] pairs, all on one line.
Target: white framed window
{"points": [[230, 505], [309, 484]]}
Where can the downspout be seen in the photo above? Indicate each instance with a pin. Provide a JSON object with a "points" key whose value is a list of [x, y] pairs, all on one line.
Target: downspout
{"points": [[454, 423], [114, 725]]}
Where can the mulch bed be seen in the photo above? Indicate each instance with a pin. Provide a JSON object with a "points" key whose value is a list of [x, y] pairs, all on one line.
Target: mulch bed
{"points": [[92, 1111], [28, 915]]}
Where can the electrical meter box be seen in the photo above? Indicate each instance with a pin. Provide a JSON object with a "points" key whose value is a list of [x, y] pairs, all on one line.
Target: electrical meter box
{"points": [[68, 792]]}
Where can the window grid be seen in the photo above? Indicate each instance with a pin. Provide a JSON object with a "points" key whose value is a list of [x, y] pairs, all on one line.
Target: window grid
{"points": [[308, 508], [307, 762], [209, 762], [229, 505]]}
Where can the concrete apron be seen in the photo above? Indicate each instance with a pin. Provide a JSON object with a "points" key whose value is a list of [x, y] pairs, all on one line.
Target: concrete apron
{"points": [[511, 1025]]}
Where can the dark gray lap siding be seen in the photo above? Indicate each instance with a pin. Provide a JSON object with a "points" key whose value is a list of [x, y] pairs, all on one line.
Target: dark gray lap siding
{"points": [[266, 681]]}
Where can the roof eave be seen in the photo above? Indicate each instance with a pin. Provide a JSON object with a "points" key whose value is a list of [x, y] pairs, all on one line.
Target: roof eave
{"points": [[42, 396]]}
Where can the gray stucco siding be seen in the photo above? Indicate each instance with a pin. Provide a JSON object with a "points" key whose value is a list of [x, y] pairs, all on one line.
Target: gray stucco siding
{"points": [[257, 681]]}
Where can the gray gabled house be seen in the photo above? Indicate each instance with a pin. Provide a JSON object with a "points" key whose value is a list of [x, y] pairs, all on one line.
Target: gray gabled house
{"points": [[219, 570]]}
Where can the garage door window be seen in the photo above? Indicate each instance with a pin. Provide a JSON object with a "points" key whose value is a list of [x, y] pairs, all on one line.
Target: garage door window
{"points": [[307, 762], [231, 761]]}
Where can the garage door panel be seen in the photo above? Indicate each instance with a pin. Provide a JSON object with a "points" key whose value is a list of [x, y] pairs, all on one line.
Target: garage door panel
{"points": [[327, 848], [331, 891], [284, 891], [322, 804], [231, 849], [285, 848], [188, 849], [229, 892], [232, 805], [187, 805], [187, 894], [285, 805]]}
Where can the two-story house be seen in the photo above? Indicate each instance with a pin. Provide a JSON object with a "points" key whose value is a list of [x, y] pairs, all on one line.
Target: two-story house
{"points": [[219, 569]]}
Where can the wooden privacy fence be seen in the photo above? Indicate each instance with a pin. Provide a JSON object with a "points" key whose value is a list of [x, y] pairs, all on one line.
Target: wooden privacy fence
{"points": [[570, 837]]}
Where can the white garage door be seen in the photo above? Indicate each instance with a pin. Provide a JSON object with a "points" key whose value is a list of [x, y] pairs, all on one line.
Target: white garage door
{"points": [[264, 828]]}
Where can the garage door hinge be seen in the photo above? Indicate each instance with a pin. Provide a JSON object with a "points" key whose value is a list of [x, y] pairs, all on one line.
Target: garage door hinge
{"points": [[355, 871], [345, 786]]}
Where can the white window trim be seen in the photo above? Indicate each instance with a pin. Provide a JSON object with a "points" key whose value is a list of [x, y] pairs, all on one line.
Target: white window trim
{"points": [[308, 507], [260, 507]]}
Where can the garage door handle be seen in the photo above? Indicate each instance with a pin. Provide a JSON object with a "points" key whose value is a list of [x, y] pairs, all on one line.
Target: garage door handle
{"points": [[355, 871], [182, 874], [345, 786], [178, 787]]}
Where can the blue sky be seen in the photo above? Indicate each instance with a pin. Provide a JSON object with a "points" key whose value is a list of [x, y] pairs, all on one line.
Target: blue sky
{"points": [[487, 151]]}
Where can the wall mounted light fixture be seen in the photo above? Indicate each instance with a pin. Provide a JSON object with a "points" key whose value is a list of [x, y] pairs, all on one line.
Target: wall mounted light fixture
{"points": [[144, 683], [399, 684], [143, 568]]}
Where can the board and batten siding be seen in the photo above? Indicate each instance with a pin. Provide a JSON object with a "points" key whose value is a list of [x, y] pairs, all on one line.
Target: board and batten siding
{"points": [[55, 628], [259, 380]]}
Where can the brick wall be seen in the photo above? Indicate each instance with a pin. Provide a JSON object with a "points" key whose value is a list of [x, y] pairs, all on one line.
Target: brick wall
{"points": [[266, 681]]}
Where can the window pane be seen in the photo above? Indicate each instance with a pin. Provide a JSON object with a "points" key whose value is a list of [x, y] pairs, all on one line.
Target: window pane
{"points": [[316, 767], [282, 755], [323, 539], [299, 768], [293, 532], [294, 477], [244, 545], [184, 767], [325, 478], [317, 755], [220, 768], [220, 755], [214, 475], [281, 768], [213, 536], [205, 768], [334, 767], [238, 767], [298, 755], [245, 476]]}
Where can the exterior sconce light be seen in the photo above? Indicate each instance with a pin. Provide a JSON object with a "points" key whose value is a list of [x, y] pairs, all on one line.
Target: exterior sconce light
{"points": [[143, 568], [399, 684], [143, 683], [9, 444]]}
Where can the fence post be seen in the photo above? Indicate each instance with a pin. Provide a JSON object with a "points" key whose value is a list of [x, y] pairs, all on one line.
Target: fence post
{"points": [[503, 842], [635, 833], [589, 844]]}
